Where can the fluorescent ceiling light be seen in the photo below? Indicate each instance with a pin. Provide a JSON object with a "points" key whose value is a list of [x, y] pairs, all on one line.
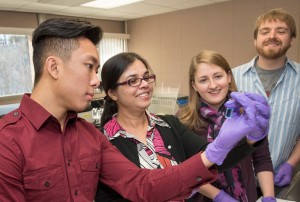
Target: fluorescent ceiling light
{"points": [[106, 4]]}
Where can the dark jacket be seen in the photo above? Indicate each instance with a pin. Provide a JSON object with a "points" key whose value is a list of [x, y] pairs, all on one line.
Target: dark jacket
{"points": [[181, 142]]}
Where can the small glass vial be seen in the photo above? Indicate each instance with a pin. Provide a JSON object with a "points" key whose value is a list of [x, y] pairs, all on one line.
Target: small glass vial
{"points": [[228, 113]]}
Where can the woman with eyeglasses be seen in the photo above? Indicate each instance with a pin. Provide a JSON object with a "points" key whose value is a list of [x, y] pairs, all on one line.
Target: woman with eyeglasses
{"points": [[155, 142]]}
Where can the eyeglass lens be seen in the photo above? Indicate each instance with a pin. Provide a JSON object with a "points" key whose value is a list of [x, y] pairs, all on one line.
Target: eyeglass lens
{"points": [[137, 81]]}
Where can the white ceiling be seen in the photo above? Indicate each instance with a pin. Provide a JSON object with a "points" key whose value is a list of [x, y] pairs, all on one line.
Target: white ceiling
{"points": [[73, 8]]}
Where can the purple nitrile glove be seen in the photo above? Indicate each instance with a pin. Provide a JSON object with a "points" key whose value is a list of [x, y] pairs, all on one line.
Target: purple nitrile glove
{"points": [[264, 110], [284, 175], [268, 199], [234, 129], [222, 196], [262, 115]]}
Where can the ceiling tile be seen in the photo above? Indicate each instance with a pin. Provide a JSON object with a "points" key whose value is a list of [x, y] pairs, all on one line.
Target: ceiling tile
{"points": [[64, 2], [13, 4], [41, 7], [73, 8]]}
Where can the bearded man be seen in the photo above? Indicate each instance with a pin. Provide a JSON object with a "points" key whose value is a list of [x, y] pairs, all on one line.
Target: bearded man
{"points": [[272, 74]]}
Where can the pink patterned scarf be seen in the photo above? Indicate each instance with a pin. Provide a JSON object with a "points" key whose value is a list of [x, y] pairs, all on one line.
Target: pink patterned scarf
{"points": [[231, 181]]}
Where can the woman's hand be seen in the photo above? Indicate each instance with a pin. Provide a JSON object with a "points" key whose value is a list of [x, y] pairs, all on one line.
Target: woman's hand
{"points": [[252, 119]]}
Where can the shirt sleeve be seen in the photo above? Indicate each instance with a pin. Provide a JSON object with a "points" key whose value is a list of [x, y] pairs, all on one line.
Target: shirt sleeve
{"points": [[11, 187], [138, 184], [262, 158]]}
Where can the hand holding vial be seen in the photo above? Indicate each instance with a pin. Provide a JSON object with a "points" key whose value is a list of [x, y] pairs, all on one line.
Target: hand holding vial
{"points": [[261, 113], [252, 121]]}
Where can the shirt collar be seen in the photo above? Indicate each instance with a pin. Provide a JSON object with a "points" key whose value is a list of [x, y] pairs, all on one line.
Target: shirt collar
{"points": [[292, 65], [251, 65], [112, 129], [37, 114], [155, 120]]}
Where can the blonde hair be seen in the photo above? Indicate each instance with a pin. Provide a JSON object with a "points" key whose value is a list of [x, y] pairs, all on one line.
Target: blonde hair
{"points": [[274, 15], [190, 115]]}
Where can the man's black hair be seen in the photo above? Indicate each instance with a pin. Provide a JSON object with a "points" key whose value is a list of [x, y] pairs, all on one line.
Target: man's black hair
{"points": [[59, 36], [66, 29]]}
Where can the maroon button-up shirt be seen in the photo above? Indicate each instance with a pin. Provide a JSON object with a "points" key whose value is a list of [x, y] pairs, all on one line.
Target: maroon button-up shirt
{"points": [[39, 162]]}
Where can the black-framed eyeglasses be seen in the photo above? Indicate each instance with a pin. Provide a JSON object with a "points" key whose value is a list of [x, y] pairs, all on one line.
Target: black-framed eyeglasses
{"points": [[137, 81]]}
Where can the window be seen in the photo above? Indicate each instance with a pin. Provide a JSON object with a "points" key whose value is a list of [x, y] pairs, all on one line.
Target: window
{"points": [[112, 44], [15, 66]]}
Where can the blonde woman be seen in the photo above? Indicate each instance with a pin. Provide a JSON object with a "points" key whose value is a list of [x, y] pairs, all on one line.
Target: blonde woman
{"points": [[210, 84]]}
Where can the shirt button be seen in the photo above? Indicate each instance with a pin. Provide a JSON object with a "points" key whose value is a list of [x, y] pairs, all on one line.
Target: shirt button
{"points": [[69, 162], [47, 184], [76, 192], [169, 146], [16, 113], [97, 165], [198, 179]]}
